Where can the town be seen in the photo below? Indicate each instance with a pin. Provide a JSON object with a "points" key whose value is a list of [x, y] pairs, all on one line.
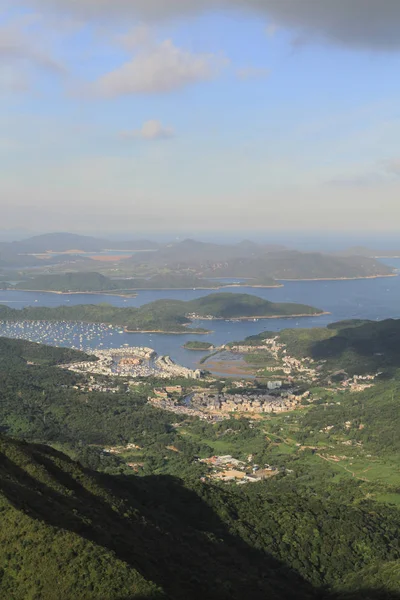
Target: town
{"points": [[211, 405], [133, 362]]}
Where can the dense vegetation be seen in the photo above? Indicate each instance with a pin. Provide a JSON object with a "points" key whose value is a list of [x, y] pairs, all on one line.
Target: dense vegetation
{"points": [[357, 347], [95, 282], [20, 352], [86, 536], [196, 345], [298, 265], [162, 315], [71, 282], [228, 306], [117, 535]]}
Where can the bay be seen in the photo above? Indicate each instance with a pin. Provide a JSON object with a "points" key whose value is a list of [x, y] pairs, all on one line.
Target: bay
{"points": [[345, 299]]}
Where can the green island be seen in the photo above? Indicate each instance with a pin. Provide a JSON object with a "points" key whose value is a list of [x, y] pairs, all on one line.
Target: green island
{"points": [[72, 283], [196, 345], [93, 282], [62, 264], [92, 469], [164, 316], [96, 282]]}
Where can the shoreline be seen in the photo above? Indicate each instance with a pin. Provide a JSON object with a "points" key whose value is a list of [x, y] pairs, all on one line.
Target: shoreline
{"points": [[221, 287], [343, 278], [303, 315], [110, 293], [141, 289], [191, 332]]}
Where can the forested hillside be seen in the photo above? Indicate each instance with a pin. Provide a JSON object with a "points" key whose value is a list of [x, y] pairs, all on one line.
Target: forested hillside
{"points": [[162, 315], [157, 530], [120, 537]]}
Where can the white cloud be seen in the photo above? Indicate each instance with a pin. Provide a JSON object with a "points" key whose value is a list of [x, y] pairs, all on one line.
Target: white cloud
{"points": [[156, 69], [359, 23], [248, 73], [151, 131]]}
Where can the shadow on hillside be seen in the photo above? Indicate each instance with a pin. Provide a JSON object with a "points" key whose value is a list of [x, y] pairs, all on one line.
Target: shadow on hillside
{"points": [[374, 342], [163, 530]]}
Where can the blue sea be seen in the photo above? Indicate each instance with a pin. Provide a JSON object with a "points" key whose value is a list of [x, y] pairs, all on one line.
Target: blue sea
{"points": [[374, 299]]}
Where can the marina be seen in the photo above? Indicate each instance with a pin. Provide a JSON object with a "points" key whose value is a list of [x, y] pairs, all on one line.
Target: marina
{"points": [[373, 299]]}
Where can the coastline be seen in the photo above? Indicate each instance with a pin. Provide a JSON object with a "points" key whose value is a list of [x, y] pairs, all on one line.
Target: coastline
{"points": [[148, 289], [191, 332], [211, 288], [104, 293], [319, 314], [343, 278]]}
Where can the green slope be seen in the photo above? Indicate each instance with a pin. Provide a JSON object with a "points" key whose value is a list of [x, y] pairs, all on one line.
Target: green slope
{"points": [[70, 282], [67, 533], [229, 305], [298, 265], [357, 346], [162, 315], [125, 536]]}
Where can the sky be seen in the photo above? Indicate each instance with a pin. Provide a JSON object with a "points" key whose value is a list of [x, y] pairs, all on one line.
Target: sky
{"points": [[205, 115]]}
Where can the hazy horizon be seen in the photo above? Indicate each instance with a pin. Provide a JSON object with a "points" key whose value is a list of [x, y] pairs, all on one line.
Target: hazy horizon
{"points": [[296, 240]]}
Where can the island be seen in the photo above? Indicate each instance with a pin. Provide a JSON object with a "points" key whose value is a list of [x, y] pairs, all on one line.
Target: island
{"points": [[93, 282], [292, 265], [73, 283], [165, 316], [199, 346]]}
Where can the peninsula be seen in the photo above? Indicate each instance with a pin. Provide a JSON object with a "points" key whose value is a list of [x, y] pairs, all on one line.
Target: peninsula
{"points": [[93, 282], [164, 316]]}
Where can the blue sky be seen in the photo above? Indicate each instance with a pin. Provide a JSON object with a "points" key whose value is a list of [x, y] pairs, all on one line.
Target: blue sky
{"points": [[257, 119]]}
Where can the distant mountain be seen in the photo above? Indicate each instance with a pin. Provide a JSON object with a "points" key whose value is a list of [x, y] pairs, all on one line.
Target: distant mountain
{"points": [[14, 253], [70, 282], [369, 252], [298, 265], [62, 242], [192, 252], [95, 282]]}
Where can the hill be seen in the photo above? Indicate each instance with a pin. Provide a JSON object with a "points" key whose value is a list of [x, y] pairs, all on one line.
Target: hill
{"points": [[96, 282], [196, 252], [116, 535], [370, 252], [242, 306], [17, 253], [120, 537], [162, 315], [357, 347], [299, 265], [22, 351], [70, 282]]}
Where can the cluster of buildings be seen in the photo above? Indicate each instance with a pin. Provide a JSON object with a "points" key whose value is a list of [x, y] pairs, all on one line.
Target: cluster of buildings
{"points": [[229, 469], [359, 383], [243, 402], [166, 401], [166, 364], [133, 362], [121, 449], [196, 317], [300, 368], [92, 386]]}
